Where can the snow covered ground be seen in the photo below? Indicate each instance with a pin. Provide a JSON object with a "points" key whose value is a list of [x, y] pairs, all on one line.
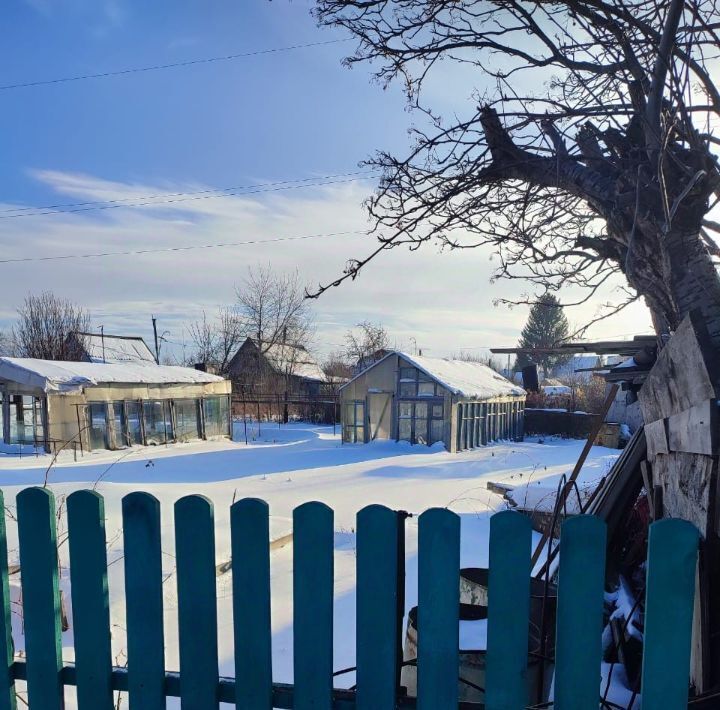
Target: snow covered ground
{"points": [[288, 466]]}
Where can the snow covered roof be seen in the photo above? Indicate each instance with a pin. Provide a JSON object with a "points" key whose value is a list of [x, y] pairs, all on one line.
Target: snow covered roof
{"points": [[115, 348], [71, 377], [465, 379], [295, 360]]}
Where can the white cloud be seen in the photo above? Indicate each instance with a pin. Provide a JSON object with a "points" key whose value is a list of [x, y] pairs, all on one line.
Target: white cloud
{"points": [[442, 299]]}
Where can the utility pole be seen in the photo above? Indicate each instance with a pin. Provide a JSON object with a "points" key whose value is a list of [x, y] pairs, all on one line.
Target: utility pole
{"points": [[102, 340], [157, 348]]}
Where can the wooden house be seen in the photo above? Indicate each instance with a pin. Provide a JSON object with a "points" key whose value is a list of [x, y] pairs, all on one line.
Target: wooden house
{"points": [[425, 400]]}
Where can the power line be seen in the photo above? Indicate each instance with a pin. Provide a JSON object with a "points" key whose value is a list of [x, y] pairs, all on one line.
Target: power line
{"points": [[303, 182], [135, 252], [174, 65], [190, 197]]}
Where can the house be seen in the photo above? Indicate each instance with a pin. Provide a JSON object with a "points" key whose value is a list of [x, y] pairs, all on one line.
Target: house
{"points": [[276, 375], [425, 400], [103, 347], [87, 406]]}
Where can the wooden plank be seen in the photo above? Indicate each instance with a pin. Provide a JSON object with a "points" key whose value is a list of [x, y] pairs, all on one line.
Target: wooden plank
{"points": [[313, 606], [656, 437], [508, 612], [687, 482], [7, 683], [197, 602], [90, 604], [250, 533], [41, 597], [578, 650], [695, 430], [144, 601], [684, 373], [377, 600], [647, 484], [438, 609], [672, 555]]}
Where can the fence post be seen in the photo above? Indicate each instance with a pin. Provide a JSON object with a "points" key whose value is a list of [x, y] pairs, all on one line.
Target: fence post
{"points": [[506, 685], [670, 595], [377, 594], [90, 605], [197, 602], [41, 597], [144, 601], [438, 661], [7, 684], [578, 649], [250, 534], [313, 546]]}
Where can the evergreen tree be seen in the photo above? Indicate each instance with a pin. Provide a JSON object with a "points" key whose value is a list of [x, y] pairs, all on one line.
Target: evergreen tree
{"points": [[546, 327]]}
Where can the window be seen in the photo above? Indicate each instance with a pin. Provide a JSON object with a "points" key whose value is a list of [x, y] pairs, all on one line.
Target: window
{"points": [[420, 422], [98, 425], [133, 426], [217, 416], [187, 419], [426, 389], [413, 383], [354, 422], [26, 420], [119, 427], [158, 427]]}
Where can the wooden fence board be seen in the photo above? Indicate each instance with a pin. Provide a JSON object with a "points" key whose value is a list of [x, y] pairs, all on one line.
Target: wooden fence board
{"points": [[377, 599], [7, 683], [313, 545], [250, 534], [90, 604], [144, 601], [578, 650], [197, 602], [438, 606], [508, 611], [41, 597], [672, 549]]}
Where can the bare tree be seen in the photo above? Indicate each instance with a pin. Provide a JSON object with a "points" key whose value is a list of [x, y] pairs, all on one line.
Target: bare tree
{"points": [[5, 344], [365, 343], [486, 359], [273, 310], [45, 323], [590, 154], [337, 368], [215, 341]]}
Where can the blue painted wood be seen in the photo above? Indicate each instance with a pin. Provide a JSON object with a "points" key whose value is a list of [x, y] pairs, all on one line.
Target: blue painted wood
{"points": [[197, 602], [250, 534], [377, 598], [508, 612], [438, 606], [670, 596], [90, 604], [313, 536], [578, 650], [41, 597], [144, 601], [7, 683]]}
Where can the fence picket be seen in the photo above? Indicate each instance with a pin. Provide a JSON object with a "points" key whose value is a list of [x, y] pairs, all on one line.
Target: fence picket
{"points": [[197, 602], [377, 599], [144, 601], [41, 597], [91, 608], [578, 650], [7, 684], [508, 612], [672, 556], [250, 533], [438, 607], [313, 538]]}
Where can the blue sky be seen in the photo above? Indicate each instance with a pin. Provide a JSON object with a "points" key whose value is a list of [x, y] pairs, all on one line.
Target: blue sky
{"points": [[260, 119]]}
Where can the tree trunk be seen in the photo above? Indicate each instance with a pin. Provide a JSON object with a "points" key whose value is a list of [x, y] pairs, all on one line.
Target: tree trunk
{"points": [[693, 281]]}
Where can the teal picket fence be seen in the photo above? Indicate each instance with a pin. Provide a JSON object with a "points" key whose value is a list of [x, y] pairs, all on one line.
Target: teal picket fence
{"points": [[668, 611]]}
